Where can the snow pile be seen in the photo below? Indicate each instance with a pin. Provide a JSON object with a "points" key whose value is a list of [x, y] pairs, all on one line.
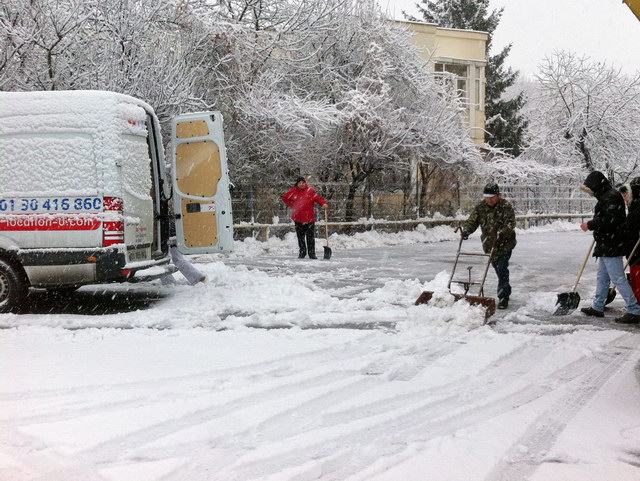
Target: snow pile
{"points": [[236, 298], [251, 247]]}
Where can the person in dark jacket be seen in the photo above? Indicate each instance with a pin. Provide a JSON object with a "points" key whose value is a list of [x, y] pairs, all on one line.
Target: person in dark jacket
{"points": [[608, 226], [497, 221], [631, 195], [302, 199]]}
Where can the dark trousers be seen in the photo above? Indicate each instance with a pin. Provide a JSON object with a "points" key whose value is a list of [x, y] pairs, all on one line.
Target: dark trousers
{"points": [[306, 232], [501, 266]]}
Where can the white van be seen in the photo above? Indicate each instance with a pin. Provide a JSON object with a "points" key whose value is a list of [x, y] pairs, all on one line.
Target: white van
{"points": [[84, 197]]}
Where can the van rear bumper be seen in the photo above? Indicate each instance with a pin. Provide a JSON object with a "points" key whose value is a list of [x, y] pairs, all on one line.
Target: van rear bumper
{"points": [[53, 267]]}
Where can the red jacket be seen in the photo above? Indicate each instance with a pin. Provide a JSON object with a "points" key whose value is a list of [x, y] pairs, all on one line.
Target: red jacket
{"points": [[301, 203]]}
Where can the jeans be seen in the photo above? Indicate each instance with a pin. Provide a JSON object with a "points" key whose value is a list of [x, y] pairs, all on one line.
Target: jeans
{"points": [[501, 266], [306, 231], [610, 269]]}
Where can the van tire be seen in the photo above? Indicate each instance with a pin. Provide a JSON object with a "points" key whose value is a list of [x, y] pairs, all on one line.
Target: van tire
{"points": [[13, 286]]}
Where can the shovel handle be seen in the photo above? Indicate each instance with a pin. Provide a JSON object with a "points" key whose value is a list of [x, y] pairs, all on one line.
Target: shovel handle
{"points": [[584, 264], [455, 264], [326, 227]]}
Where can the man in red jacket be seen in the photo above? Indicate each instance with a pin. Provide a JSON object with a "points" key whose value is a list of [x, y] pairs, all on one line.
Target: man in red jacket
{"points": [[302, 198]]}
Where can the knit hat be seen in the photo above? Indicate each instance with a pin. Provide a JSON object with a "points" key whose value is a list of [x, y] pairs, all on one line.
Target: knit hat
{"points": [[299, 179], [491, 189]]}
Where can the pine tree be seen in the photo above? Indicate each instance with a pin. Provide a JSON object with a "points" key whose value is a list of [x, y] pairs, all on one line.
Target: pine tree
{"points": [[505, 125]]}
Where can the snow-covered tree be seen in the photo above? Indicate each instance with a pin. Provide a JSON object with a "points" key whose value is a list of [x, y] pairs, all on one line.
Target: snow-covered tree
{"points": [[585, 118], [342, 93], [148, 49], [321, 87]]}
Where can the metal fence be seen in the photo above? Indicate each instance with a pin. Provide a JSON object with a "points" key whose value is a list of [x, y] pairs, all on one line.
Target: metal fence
{"points": [[262, 204], [264, 231], [539, 199]]}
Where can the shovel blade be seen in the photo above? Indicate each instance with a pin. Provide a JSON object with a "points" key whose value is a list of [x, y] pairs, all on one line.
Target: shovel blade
{"points": [[611, 295], [424, 298], [489, 303], [327, 252], [567, 303]]}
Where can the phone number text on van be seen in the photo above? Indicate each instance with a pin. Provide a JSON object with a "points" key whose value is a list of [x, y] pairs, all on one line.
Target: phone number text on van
{"points": [[51, 204]]}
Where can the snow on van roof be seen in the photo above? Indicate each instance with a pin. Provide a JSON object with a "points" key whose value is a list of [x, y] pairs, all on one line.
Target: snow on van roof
{"points": [[62, 143], [20, 103]]}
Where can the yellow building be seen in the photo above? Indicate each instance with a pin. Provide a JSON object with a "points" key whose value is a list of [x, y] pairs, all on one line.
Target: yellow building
{"points": [[458, 58]]}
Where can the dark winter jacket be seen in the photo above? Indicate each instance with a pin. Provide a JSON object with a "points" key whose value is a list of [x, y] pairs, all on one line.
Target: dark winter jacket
{"points": [[608, 223], [499, 220], [632, 226], [301, 202]]}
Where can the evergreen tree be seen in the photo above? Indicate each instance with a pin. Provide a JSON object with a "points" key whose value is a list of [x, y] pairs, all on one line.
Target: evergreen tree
{"points": [[504, 123]]}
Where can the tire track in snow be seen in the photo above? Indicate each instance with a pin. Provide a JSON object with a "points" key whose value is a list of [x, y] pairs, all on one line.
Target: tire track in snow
{"points": [[337, 382], [133, 393], [340, 448], [286, 368], [530, 451], [351, 427], [154, 391], [258, 368], [113, 450], [410, 416]]}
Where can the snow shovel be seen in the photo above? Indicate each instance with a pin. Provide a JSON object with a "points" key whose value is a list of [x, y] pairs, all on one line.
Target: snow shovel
{"points": [[611, 295], [327, 249], [569, 301], [489, 303]]}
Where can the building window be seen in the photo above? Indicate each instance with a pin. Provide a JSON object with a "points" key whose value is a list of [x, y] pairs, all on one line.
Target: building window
{"points": [[455, 77], [479, 81]]}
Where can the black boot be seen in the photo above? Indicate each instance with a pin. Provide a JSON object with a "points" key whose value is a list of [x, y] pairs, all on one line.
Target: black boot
{"points": [[628, 318], [590, 311]]}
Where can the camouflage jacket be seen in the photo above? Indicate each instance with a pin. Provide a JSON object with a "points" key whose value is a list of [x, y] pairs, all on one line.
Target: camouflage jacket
{"points": [[499, 220]]}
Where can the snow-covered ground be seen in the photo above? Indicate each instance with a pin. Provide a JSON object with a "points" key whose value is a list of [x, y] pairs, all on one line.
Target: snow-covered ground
{"points": [[284, 369]]}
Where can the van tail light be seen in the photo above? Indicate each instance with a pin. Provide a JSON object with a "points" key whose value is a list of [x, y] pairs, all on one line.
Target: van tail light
{"points": [[113, 230]]}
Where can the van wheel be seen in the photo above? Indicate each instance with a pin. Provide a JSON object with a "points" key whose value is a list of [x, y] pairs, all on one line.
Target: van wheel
{"points": [[13, 286]]}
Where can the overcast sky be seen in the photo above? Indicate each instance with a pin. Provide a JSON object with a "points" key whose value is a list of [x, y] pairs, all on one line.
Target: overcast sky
{"points": [[601, 29]]}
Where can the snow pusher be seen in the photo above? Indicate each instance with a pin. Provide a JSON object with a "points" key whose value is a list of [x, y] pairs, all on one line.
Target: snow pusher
{"points": [[569, 301], [489, 303]]}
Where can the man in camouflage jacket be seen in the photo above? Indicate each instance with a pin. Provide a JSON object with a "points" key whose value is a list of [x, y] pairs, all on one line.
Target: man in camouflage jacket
{"points": [[497, 221]]}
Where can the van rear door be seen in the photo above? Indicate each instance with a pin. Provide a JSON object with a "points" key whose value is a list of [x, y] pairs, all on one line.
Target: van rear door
{"points": [[201, 199]]}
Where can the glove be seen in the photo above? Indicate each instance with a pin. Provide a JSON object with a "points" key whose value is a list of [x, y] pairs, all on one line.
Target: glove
{"points": [[464, 234]]}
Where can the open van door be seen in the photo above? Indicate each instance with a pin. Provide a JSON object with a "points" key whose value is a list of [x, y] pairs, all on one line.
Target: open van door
{"points": [[201, 199]]}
